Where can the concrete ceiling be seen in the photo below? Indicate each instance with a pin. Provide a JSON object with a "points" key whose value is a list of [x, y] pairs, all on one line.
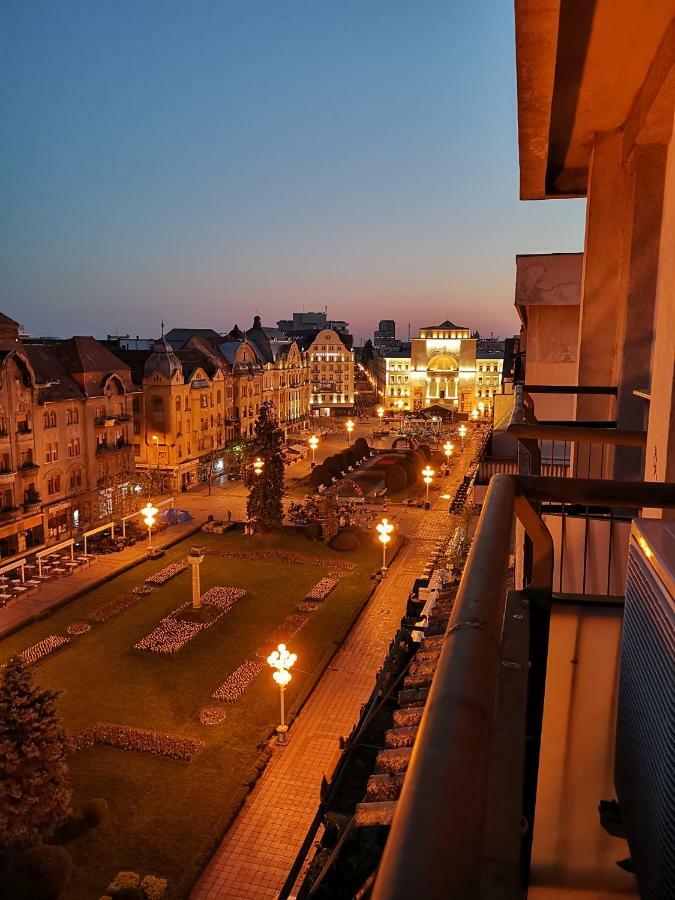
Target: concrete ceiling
{"points": [[580, 66]]}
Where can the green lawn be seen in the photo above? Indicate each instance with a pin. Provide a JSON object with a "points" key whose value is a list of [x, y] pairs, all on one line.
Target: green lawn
{"points": [[166, 815]]}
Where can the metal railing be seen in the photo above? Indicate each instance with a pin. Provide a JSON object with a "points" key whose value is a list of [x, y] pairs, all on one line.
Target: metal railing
{"points": [[436, 843]]}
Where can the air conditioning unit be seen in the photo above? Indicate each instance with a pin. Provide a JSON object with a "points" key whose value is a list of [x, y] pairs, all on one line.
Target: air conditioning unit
{"points": [[644, 772]]}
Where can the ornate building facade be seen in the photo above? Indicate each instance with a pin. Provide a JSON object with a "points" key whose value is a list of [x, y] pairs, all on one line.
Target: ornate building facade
{"points": [[65, 448], [444, 368], [331, 373]]}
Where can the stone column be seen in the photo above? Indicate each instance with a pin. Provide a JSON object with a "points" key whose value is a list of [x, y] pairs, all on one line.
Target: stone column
{"points": [[196, 558]]}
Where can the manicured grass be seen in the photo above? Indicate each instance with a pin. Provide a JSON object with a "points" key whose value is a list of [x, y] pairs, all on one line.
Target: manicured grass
{"points": [[166, 815]]}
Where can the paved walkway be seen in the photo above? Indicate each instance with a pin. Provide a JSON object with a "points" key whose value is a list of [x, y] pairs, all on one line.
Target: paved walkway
{"points": [[257, 853]]}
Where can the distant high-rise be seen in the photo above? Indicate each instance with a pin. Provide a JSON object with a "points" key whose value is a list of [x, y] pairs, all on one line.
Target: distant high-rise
{"points": [[385, 335], [311, 322]]}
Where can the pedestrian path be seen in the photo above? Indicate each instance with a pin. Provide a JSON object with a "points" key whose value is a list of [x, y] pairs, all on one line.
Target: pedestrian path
{"points": [[257, 853]]}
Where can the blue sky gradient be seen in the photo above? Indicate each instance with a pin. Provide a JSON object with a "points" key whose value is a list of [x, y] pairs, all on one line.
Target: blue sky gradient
{"points": [[203, 161]]}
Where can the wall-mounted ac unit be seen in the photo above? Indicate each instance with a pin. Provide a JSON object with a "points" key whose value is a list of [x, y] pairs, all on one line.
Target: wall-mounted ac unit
{"points": [[645, 742]]}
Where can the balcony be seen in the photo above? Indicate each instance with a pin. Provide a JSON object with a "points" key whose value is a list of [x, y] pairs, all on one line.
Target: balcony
{"points": [[7, 474], [24, 433], [514, 750], [102, 449], [105, 421], [28, 468]]}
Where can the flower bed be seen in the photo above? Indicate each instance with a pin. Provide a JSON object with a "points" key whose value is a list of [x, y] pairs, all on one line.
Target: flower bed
{"points": [[178, 628], [168, 572], [138, 739], [216, 527], [306, 607], [43, 648], [114, 607], [143, 590], [235, 685], [78, 627], [322, 588], [212, 715], [289, 556]]}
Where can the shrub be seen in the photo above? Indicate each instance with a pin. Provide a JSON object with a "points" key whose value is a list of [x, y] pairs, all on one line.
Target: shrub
{"points": [[125, 881], [411, 470], [312, 531], [351, 455], [362, 447], [153, 888], [39, 873], [95, 812], [418, 460], [320, 475], [345, 541], [396, 478], [345, 460], [334, 466], [426, 450]]}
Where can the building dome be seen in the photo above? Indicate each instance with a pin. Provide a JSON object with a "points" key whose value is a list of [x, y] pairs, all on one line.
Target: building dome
{"points": [[163, 360]]}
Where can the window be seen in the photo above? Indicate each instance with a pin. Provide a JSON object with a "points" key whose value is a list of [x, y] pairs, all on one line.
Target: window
{"points": [[54, 484], [75, 480], [51, 452], [177, 404], [74, 447], [72, 416], [50, 418]]}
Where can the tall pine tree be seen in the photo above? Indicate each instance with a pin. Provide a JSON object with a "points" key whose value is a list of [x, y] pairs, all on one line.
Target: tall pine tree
{"points": [[264, 506], [34, 789]]}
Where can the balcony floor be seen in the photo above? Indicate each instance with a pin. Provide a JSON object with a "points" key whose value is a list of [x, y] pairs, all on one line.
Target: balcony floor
{"points": [[572, 856]]}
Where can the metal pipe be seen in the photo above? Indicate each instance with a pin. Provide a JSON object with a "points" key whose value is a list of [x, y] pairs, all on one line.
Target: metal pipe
{"points": [[579, 434], [569, 389], [449, 760], [597, 491]]}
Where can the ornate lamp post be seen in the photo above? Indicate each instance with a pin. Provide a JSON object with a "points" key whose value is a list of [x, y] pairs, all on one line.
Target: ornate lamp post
{"points": [[313, 443], [281, 661], [474, 414], [447, 449], [384, 529], [350, 427], [149, 512], [428, 476], [196, 558], [462, 434]]}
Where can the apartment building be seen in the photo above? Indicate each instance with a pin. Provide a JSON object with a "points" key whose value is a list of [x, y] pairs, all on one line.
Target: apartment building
{"points": [[65, 443], [331, 373]]}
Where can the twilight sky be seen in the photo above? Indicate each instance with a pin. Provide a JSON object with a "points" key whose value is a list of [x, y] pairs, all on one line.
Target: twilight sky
{"points": [[202, 161]]}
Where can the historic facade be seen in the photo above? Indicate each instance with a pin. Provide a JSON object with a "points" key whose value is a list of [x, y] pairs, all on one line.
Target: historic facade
{"points": [[444, 367], [65, 447], [331, 373]]}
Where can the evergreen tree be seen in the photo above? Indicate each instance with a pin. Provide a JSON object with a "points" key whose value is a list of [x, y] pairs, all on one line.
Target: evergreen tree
{"points": [[264, 505], [34, 789], [368, 352]]}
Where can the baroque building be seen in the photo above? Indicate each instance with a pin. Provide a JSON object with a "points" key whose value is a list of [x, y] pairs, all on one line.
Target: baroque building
{"points": [[65, 448], [331, 373], [444, 367]]}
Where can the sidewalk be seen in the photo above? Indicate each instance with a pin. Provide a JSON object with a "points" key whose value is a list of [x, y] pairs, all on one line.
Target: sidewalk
{"points": [[256, 854]]}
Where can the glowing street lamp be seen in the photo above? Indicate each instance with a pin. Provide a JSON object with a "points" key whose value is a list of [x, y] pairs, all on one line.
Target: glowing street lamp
{"points": [[481, 407], [462, 434], [447, 449], [474, 414], [350, 427], [380, 413], [258, 466], [149, 512], [313, 443], [428, 476], [384, 529], [281, 661], [400, 408]]}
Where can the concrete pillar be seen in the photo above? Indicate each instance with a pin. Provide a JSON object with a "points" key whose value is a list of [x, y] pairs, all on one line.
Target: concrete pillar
{"points": [[660, 451], [196, 558], [635, 350], [603, 291]]}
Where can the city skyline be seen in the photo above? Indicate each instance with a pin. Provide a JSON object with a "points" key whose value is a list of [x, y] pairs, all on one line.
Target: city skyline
{"points": [[188, 164]]}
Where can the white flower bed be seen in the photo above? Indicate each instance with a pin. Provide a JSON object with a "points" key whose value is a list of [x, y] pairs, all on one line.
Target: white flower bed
{"points": [[168, 572], [43, 648], [173, 633], [78, 627], [322, 588], [235, 685]]}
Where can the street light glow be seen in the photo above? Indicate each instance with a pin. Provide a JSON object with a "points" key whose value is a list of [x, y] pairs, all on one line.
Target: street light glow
{"points": [[258, 466], [428, 476], [384, 529], [281, 660], [350, 427]]}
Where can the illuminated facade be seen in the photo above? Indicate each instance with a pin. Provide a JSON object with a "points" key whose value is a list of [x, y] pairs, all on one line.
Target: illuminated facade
{"points": [[331, 373], [444, 368]]}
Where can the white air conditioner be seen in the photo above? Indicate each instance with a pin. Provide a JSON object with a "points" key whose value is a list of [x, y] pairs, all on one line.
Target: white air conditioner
{"points": [[644, 772]]}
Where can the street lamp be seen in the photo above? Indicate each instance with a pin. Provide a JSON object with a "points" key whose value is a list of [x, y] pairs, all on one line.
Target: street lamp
{"points": [[447, 449], [428, 475], [462, 434], [313, 443], [384, 529], [350, 428], [481, 407], [281, 661], [474, 414], [400, 409], [258, 466], [149, 512], [380, 413]]}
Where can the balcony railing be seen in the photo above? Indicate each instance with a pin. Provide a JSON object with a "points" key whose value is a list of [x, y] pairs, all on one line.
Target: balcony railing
{"points": [[470, 788]]}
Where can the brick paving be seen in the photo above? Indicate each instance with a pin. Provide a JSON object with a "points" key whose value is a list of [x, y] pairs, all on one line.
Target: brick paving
{"points": [[256, 855]]}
